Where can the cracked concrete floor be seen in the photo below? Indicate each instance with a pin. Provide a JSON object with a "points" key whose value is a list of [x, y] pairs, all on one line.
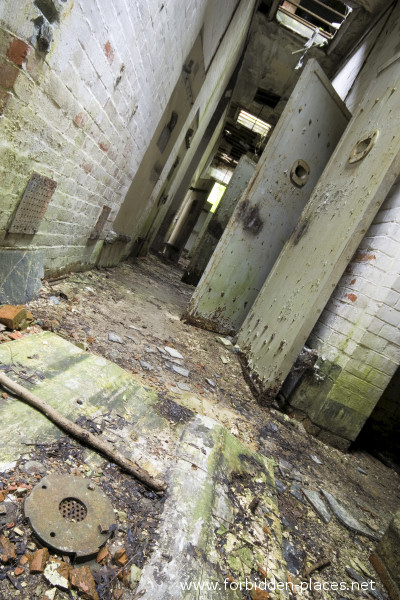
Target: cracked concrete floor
{"points": [[140, 304]]}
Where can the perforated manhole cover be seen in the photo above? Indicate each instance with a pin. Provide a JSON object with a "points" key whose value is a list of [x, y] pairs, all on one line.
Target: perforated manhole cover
{"points": [[70, 514]]}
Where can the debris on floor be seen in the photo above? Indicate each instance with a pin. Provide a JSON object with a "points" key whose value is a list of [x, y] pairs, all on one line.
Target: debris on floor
{"points": [[251, 497]]}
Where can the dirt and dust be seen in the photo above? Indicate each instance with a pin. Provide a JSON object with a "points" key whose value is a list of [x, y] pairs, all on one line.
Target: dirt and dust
{"points": [[137, 513], [131, 314]]}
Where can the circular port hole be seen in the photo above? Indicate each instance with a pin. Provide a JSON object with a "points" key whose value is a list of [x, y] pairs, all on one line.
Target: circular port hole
{"points": [[73, 509], [363, 147], [299, 173]]}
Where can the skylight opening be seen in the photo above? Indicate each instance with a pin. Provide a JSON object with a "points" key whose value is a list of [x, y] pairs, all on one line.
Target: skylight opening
{"points": [[253, 123], [311, 18]]}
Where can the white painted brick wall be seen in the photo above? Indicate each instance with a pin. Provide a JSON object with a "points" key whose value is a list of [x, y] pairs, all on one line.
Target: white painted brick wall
{"points": [[70, 117], [360, 327], [218, 76]]}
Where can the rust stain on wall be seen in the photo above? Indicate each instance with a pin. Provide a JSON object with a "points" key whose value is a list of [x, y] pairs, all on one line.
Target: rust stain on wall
{"points": [[352, 297], [109, 52], [103, 146], [361, 256], [80, 120]]}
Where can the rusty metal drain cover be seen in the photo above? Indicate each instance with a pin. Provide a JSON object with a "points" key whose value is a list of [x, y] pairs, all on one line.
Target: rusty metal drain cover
{"points": [[70, 514]]}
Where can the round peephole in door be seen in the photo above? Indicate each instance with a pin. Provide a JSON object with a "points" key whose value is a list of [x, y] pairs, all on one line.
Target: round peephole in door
{"points": [[300, 172], [363, 146]]}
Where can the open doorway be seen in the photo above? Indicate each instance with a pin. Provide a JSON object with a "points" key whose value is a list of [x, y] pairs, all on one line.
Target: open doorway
{"points": [[212, 202], [380, 434], [199, 205]]}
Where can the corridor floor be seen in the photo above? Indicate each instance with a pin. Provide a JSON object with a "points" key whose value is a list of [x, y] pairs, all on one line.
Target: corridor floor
{"points": [[131, 315]]}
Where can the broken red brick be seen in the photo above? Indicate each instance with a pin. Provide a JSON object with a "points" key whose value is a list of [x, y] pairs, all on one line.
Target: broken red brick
{"points": [[290, 583], [120, 557], [82, 580], [23, 560], [7, 549], [8, 75], [38, 560], [15, 335], [259, 594], [109, 52], [262, 571], [3, 495], [123, 575], [4, 395], [17, 52], [267, 530], [63, 569], [103, 555], [361, 256], [11, 316], [18, 571]]}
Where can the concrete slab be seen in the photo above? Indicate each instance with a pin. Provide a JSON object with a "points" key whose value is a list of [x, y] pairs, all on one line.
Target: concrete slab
{"points": [[347, 519], [220, 523], [20, 275], [318, 504], [71, 380]]}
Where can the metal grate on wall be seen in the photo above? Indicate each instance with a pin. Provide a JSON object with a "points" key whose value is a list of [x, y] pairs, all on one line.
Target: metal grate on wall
{"points": [[33, 205]]}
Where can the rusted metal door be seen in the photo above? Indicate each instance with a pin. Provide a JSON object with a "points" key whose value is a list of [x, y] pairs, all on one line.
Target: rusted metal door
{"points": [[292, 162], [354, 184]]}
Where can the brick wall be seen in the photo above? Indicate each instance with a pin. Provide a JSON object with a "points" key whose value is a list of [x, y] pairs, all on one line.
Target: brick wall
{"points": [[218, 75], [83, 113], [357, 335]]}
